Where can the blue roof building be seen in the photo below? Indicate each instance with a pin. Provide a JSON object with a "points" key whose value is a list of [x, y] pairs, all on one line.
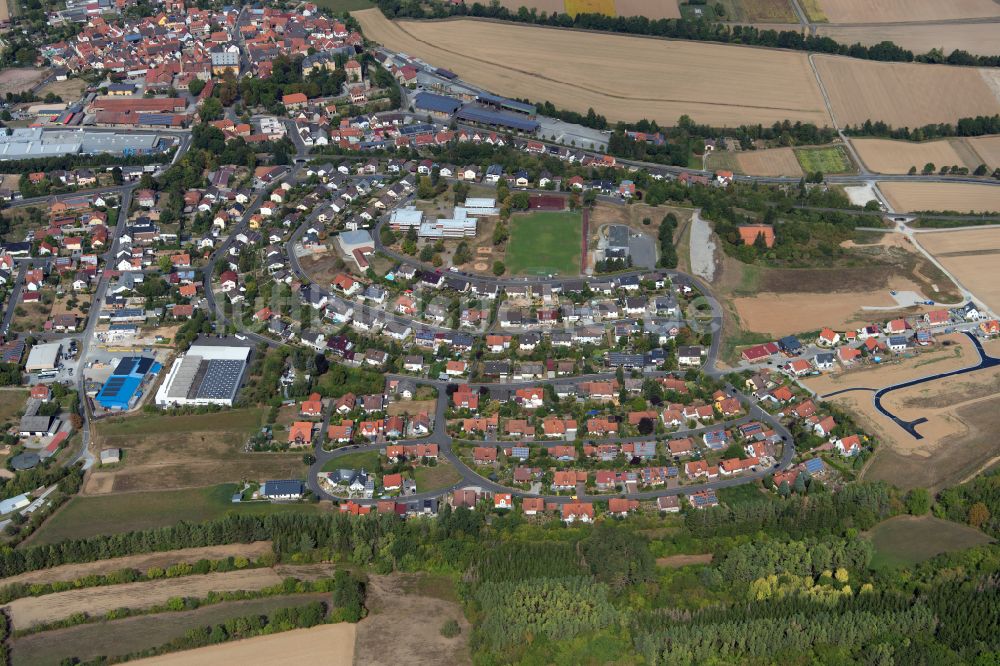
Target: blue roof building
{"points": [[484, 116], [790, 344], [122, 387]]}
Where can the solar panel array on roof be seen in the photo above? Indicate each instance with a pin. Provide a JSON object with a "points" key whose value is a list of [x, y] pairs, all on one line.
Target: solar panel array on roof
{"points": [[221, 379], [143, 365], [814, 466]]}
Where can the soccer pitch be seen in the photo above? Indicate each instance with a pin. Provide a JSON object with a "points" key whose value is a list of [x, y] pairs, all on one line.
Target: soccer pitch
{"points": [[545, 242]]}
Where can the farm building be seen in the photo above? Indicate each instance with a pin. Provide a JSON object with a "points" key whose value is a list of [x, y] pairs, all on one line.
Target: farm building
{"points": [[111, 456], [436, 105], [122, 387], [206, 375]]}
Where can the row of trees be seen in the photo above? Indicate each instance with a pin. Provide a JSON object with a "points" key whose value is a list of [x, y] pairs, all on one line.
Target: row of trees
{"points": [[977, 126]]}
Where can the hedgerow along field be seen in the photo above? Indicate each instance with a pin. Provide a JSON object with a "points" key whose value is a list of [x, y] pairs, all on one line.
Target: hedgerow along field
{"points": [[545, 242]]}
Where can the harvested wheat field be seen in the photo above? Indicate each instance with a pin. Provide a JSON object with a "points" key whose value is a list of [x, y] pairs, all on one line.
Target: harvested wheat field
{"points": [[770, 162], [895, 11], [328, 644], [889, 156], [971, 256], [908, 197], [905, 94], [977, 38], [68, 572], [30, 611], [987, 148], [652, 9], [621, 77]]}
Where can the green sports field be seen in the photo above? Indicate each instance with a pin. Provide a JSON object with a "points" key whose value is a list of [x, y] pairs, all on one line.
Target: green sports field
{"points": [[545, 242], [831, 159]]}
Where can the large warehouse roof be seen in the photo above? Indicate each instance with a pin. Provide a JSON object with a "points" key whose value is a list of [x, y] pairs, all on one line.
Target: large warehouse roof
{"points": [[426, 101], [477, 114], [43, 357], [207, 374]]}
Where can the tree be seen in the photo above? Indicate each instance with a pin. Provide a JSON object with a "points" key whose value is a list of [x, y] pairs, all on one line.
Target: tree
{"points": [[918, 501], [164, 263], [196, 86], [646, 426], [498, 268], [425, 188], [978, 514], [211, 109]]}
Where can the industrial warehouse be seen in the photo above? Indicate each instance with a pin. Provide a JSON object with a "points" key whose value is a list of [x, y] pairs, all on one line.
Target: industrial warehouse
{"points": [[29, 142], [123, 388], [206, 375]]}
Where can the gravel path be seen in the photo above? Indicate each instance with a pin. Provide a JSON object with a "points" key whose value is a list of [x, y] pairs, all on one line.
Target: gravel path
{"points": [[702, 248]]}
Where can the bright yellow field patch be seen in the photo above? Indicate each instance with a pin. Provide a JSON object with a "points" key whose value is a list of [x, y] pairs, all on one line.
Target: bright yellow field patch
{"points": [[606, 7]]}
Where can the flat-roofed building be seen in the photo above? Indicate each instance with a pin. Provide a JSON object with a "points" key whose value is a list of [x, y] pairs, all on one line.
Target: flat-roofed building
{"points": [[206, 375]]}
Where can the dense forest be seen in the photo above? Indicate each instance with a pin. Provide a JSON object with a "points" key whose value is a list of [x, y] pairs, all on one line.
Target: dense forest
{"points": [[791, 580], [693, 29]]}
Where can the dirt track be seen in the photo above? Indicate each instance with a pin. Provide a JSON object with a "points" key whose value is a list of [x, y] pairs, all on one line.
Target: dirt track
{"points": [[30, 611], [142, 562], [328, 644]]}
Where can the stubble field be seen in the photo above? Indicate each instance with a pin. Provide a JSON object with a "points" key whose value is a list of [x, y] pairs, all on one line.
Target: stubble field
{"points": [[67, 572], [889, 156], [959, 197], [771, 162], [892, 11], [971, 256], [624, 78], [30, 611], [328, 644], [987, 147], [905, 94], [976, 38]]}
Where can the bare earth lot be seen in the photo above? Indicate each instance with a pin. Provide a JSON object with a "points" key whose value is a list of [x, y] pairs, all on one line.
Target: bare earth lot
{"points": [[888, 156], [406, 615], [67, 572], [962, 417], [170, 452], [785, 314], [890, 11], [614, 74], [328, 644], [904, 94], [30, 611], [958, 197], [19, 79], [677, 561], [971, 255]]}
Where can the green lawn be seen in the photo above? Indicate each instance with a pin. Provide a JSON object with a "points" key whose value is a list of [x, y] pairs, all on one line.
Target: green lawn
{"points": [[441, 475], [235, 420], [545, 242], [84, 517], [362, 459], [735, 495], [832, 159], [341, 6], [906, 540], [12, 403]]}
